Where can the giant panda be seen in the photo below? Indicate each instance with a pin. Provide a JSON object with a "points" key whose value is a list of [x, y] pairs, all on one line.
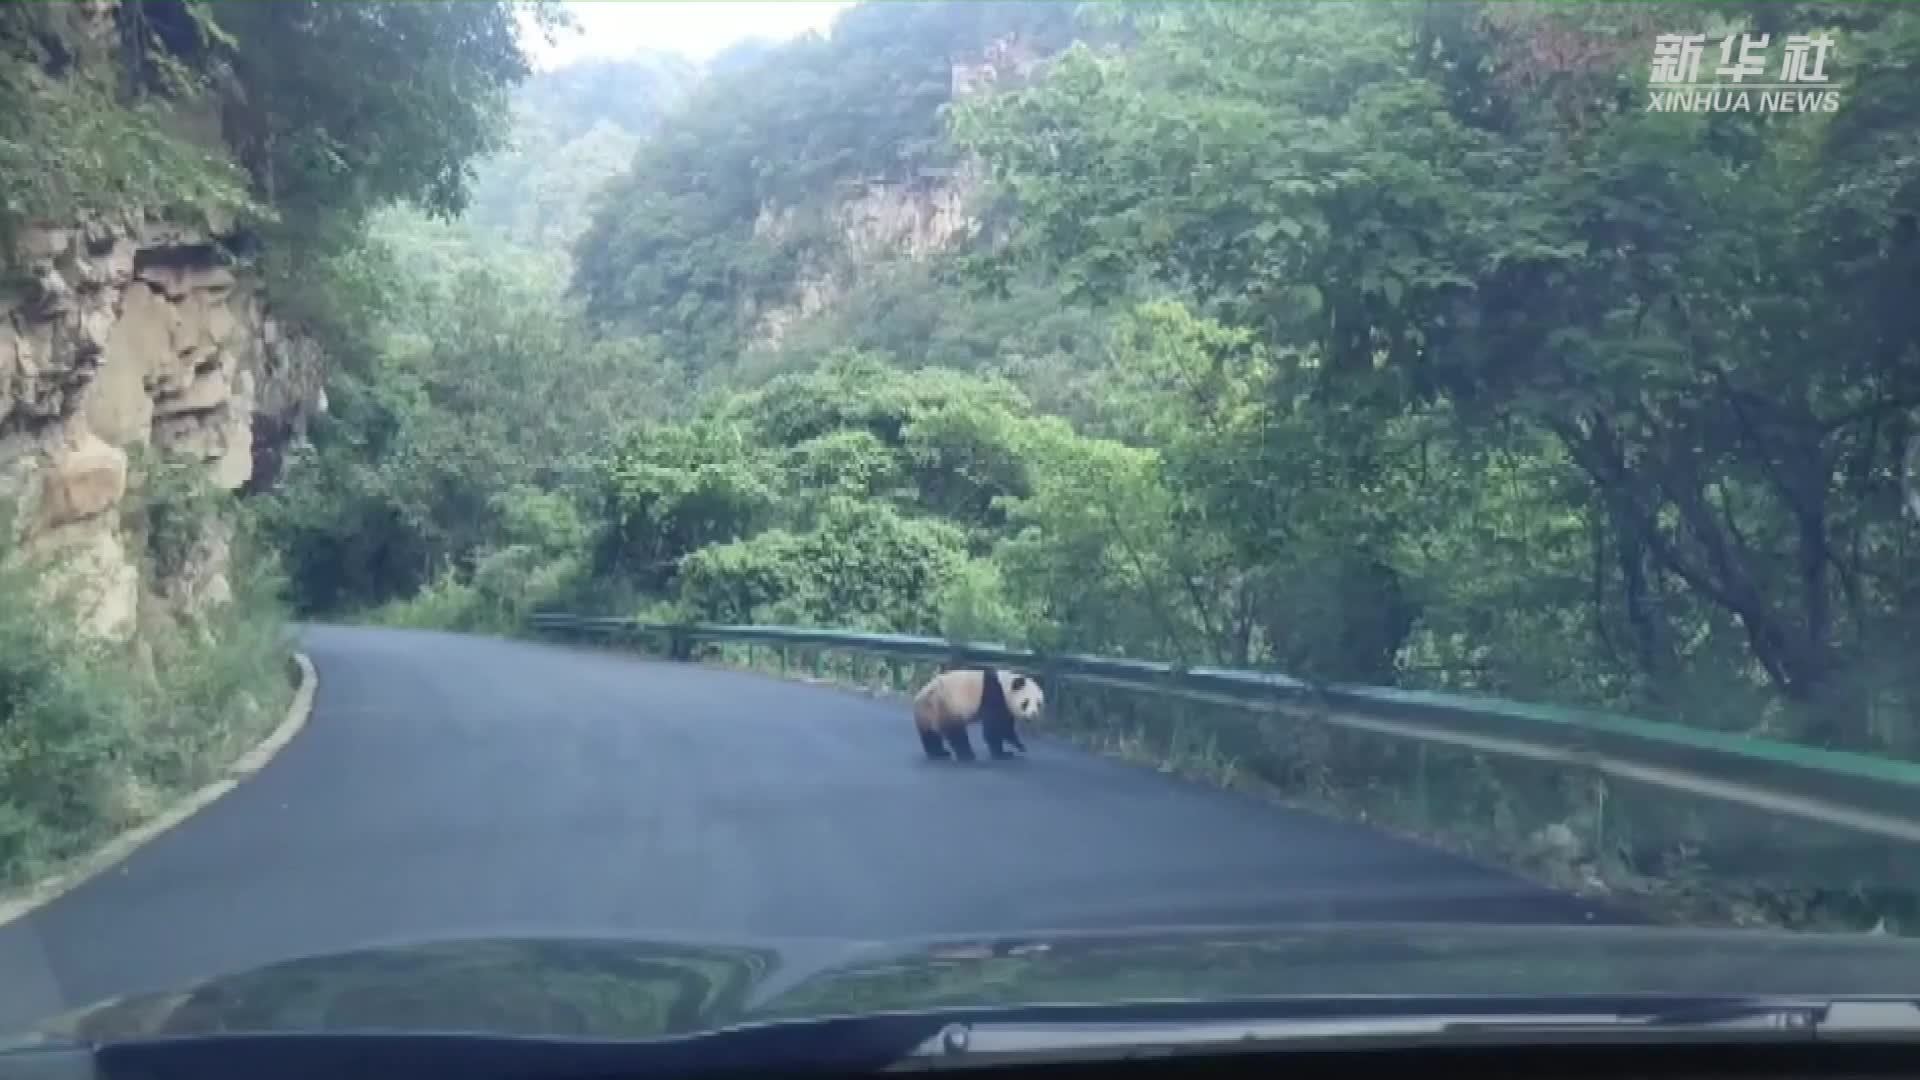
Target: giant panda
{"points": [[993, 698]]}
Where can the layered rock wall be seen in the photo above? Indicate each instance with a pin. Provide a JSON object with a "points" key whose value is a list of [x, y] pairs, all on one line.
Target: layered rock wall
{"points": [[124, 341]]}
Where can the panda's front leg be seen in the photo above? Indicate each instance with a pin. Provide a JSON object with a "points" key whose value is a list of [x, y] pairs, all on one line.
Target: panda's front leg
{"points": [[962, 745], [999, 734], [996, 743]]}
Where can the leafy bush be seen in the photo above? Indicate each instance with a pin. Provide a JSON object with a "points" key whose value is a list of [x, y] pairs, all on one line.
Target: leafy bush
{"points": [[496, 597], [172, 503], [863, 565], [974, 606], [96, 736], [446, 602], [220, 673], [67, 711]]}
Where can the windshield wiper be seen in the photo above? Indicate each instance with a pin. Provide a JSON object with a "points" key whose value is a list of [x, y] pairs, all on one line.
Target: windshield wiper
{"points": [[998, 1042]]}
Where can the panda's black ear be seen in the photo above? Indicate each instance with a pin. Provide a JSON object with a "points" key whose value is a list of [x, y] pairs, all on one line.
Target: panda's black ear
{"points": [[1019, 681]]}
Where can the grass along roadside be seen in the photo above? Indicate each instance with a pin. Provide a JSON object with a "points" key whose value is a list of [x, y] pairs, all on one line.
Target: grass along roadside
{"points": [[97, 738], [79, 870]]}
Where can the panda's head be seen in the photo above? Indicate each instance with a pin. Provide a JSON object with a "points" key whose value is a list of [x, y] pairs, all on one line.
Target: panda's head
{"points": [[1024, 698]]}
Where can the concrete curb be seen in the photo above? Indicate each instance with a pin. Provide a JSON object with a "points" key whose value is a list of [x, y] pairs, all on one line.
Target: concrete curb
{"points": [[132, 840]]}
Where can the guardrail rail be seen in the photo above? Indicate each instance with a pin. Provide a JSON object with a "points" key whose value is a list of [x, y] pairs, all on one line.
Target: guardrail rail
{"points": [[1857, 792]]}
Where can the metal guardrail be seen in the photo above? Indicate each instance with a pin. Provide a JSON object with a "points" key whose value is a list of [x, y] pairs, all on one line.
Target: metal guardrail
{"points": [[1854, 791]]}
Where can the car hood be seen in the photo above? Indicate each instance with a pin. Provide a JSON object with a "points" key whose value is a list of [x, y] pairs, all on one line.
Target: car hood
{"points": [[638, 989]]}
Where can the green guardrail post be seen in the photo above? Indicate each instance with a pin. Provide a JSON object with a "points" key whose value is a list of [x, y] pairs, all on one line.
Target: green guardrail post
{"points": [[1599, 838], [1422, 806], [679, 644], [1052, 685]]}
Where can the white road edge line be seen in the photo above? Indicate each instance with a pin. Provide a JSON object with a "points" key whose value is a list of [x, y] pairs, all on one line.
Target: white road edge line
{"points": [[117, 849]]}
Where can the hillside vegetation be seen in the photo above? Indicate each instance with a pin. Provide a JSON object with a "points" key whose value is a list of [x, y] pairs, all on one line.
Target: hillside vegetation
{"points": [[572, 130], [1397, 343]]}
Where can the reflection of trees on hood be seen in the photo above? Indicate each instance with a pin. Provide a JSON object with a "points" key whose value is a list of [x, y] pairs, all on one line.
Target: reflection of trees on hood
{"points": [[1913, 477]]}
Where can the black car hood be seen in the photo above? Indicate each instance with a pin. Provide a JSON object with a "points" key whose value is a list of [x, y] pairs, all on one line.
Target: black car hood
{"points": [[640, 989]]}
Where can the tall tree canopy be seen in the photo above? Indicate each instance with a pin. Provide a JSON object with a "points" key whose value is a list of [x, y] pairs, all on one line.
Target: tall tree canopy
{"points": [[322, 125], [1406, 233]]}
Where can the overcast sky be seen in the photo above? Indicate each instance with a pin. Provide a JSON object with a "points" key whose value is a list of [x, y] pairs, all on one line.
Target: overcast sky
{"points": [[697, 29]]}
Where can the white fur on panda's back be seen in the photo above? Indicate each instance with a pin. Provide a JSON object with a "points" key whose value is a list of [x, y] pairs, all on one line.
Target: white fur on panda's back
{"points": [[955, 696], [947, 697]]}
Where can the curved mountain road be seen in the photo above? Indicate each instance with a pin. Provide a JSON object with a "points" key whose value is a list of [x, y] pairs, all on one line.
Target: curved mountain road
{"points": [[449, 785]]}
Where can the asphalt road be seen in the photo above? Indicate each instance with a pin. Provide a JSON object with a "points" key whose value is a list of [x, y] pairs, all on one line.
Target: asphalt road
{"points": [[449, 785]]}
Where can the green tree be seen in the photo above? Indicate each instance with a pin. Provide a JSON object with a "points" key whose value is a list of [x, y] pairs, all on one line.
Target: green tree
{"points": [[317, 143], [671, 490], [861, 565], [483, 384], [1411, 226]]}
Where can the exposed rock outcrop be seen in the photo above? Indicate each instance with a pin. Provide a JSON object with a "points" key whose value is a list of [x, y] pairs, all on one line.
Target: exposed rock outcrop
{"points": [[1009, 61], [873, 221], [134, 335]]}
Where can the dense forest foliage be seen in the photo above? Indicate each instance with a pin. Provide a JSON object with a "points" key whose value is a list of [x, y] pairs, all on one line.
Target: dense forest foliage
{"points": [[467, 417], [1468, 275]]}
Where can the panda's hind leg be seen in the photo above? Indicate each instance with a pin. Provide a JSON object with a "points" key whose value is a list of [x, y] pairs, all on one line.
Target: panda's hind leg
{"points": [[936, 749], [961, 744]]}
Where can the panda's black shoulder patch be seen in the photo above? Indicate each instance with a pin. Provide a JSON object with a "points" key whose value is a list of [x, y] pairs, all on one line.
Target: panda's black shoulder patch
{"points": [[995, 715], [993, 699]]}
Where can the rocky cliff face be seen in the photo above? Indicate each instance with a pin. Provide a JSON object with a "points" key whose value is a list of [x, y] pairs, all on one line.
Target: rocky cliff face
{"points": [[124, 340], [872, 222], [875, 221]]}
